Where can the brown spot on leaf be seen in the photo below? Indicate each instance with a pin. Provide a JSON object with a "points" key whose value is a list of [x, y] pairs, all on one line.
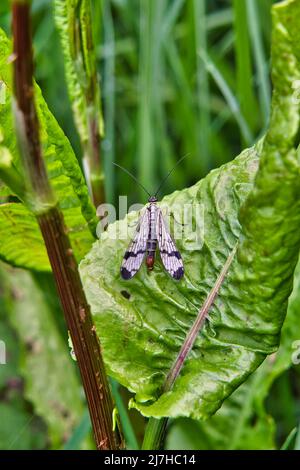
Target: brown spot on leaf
{"points": [[125, 294], [33, 346], [17, 294]]}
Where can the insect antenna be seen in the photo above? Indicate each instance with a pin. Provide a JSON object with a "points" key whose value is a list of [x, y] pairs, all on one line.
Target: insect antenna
{"points": [[171, 171], [132, 176]]}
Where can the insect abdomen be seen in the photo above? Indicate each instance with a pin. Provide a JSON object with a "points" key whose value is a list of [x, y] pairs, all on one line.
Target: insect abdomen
{"points": [[151, 249]]}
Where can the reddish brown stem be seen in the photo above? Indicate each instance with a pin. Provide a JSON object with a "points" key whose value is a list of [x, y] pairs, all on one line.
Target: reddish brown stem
{"points": [[76, 309], [24, 93], [82, 330]]}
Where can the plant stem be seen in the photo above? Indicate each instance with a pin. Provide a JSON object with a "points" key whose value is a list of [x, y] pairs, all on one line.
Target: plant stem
{"points": [[92, 155], [244, 75], [156, 428], [129, 434], [109, 98], [92, 149], [25, 112], [76, 310], [155, 434], [260, 60], [80, 325], [203, 94], [74, 22]]}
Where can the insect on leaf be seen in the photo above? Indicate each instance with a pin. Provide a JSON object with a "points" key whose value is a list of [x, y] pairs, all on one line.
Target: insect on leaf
{"points": [[152, 233]]}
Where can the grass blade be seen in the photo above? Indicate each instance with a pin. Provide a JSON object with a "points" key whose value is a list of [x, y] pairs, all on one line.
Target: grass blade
{"points": [[289, 439], [297, 443], [130, 438], [202, 82], [219, 18], [152, 12], [230, 99], [244, 79], [171, 17], [80, 433], [108, 145], [260, 60]]}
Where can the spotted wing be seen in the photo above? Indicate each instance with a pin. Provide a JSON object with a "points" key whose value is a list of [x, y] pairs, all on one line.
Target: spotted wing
{"points": [[135, 253], [170, 256]]}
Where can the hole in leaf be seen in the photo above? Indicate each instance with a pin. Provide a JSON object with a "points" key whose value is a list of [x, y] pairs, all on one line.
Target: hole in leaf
{"points": [[297, 138], [125, 294]]}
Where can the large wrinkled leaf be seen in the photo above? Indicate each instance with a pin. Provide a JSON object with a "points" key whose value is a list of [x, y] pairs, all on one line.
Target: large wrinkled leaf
{"points": [[65, 176], [242, 422], [142, 329]]}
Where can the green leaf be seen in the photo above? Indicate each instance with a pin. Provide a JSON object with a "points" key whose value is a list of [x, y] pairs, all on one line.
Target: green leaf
{"points": [[9, 174], [21, 241], [21, 431], [242, 422], [236, 426], [20, 427], [64, 173], [144, 333], [290, 438], [8, 370], [142, 329], [5, 192], [297, 443], [56, 396]]}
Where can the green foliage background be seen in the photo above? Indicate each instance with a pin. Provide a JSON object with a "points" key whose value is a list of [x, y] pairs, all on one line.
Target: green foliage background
{"points": [[177, 77]]}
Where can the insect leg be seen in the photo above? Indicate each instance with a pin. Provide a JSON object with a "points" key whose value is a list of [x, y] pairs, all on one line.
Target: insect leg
{"points": [[136, 224], [175, 220]]}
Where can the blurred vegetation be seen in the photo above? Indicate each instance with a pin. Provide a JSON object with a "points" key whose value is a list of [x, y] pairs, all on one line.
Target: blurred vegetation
{"points": [[178, 77]]}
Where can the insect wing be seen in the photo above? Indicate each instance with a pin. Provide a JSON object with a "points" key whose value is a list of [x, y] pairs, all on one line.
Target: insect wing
{"points": [[135, 253], [170, 256]]}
